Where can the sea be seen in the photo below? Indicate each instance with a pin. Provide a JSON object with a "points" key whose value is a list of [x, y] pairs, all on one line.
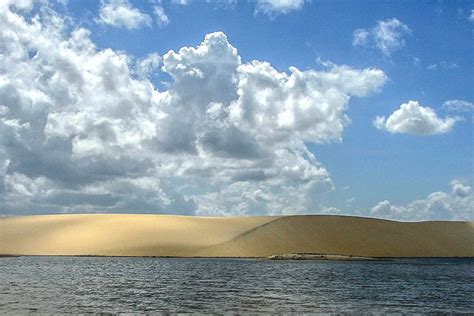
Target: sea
{"points": [[153, 285]]}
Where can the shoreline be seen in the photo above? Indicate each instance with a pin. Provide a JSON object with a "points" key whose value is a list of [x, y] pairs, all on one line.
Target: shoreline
{"points": [[269, 258], [323, 257]]}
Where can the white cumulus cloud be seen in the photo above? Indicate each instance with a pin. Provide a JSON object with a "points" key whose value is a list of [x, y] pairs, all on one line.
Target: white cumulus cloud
{"points": [[413, 118], [387, 36], [145, 67], [458, 204], [83, 129], [121, 13]]}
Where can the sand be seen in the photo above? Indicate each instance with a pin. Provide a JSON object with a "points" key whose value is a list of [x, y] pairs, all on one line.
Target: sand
{"points": [[187, 236], [323, 257]]}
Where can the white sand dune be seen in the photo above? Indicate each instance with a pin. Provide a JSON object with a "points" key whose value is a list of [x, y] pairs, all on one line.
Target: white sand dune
{"points": [[187, 236]]}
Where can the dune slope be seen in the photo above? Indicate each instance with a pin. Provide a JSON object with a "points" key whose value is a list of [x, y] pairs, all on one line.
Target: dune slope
{"points": [[352, 236], [186, 236], [119, 235]]}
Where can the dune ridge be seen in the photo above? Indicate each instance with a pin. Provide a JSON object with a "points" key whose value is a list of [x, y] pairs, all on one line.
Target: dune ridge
{"points": [[261, 236]]}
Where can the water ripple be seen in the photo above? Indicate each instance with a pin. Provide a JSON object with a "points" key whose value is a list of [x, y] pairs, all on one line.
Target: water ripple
{"points": [[91, 285]]}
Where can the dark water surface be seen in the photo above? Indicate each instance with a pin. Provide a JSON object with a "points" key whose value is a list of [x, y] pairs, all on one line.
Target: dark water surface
{"points": [[81, 285]]}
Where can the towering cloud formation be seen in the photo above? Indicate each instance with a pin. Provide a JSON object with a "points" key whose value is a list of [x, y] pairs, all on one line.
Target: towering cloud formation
{"points": [[82, 129]]}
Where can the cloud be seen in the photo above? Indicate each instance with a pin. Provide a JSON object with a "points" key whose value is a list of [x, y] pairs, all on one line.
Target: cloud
{"points": [[275, 7], [120, 13], [471, 16], [161, 17], [458, 106], [145, 67], [222, 3], [181, 2], [443, 65], [24, 5], [82, 129], [458, 204], [268, 7], [415, 119], [387, 36]]}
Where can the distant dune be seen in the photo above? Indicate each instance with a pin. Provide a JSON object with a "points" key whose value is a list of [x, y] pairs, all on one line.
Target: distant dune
{"points": [[187, 236]]}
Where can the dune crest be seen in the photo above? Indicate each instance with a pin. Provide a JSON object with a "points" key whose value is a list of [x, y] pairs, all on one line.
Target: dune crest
{"points": [[263, 236]]}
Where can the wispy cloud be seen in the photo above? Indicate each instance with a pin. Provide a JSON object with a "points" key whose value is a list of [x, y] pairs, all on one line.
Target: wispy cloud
{"points": [[275, 7], [271, 8], [386, 36], [160, 15], [443, 65], [458, 106]]}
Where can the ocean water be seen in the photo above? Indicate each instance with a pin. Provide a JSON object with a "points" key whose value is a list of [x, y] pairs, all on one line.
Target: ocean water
{"points": [[110, 285]]}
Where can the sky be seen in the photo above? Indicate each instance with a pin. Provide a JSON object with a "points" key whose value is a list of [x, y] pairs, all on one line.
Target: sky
{"points": [[222, 107]]}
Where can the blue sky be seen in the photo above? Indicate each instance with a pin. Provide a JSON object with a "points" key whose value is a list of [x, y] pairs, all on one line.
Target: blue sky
{"points": [[392, 170]]}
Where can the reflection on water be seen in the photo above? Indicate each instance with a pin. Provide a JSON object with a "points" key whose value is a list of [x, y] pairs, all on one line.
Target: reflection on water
{"points": [[68, 284]]}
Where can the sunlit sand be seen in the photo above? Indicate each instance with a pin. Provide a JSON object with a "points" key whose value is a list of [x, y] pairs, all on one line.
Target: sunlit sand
{"points": [[188, 236]]}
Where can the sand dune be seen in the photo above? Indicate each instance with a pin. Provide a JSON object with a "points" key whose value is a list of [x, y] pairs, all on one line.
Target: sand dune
{"points": [[186, 236]]}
